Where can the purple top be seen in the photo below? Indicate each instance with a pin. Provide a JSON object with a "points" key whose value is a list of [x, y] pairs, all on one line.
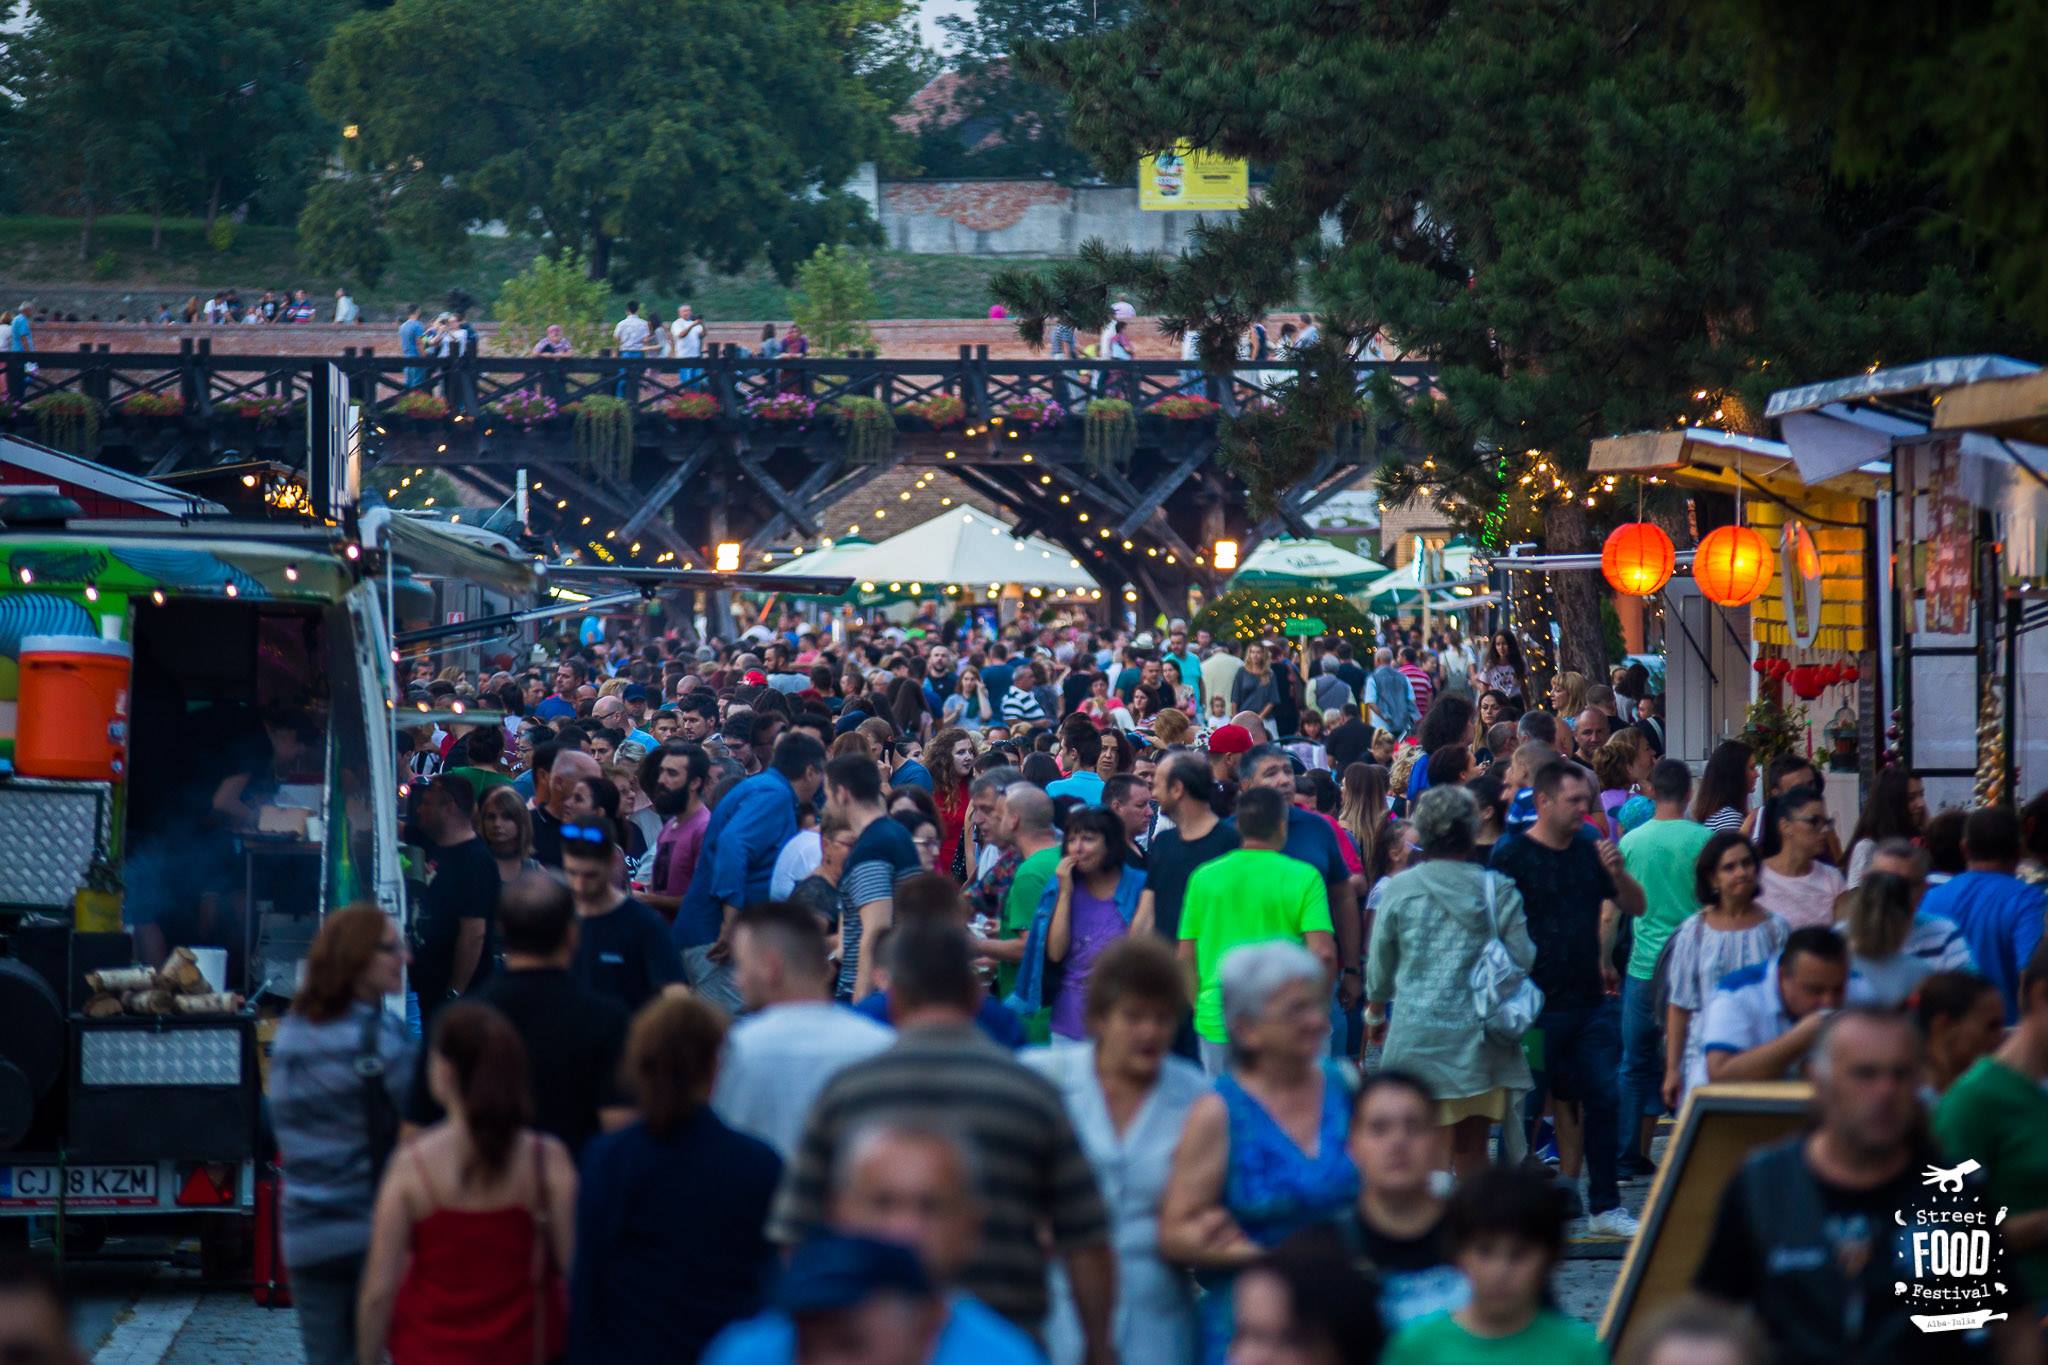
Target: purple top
{"points": [[1096, 925], [675, 852]]}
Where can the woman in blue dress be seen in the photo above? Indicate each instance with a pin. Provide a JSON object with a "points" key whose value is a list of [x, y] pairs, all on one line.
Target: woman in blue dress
{"points": [[1263, 1156]]}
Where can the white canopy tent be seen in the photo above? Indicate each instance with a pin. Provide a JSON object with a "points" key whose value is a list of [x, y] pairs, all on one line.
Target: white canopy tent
{"points": [[964, 546]]}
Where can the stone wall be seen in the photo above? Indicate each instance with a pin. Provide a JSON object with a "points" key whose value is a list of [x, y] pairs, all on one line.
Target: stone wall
{"points": [[1023, 218]]}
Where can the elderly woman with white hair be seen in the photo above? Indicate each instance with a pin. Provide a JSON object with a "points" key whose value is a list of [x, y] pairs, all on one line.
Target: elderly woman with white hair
{"points": [[1431, 925], [1264, 1155]]}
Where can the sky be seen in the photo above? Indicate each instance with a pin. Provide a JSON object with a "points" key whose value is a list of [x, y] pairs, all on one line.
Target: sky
{"points": [[929, 13]]}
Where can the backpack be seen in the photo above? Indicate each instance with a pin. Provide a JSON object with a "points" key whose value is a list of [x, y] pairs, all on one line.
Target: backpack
{"points": [[1505, 999]]}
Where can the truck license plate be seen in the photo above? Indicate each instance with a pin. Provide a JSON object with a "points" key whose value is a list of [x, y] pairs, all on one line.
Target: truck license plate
{"points": [[83, 1187]]}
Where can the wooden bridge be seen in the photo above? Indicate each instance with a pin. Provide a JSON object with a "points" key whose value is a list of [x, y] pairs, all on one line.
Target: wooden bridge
{"points": [[681, 456]]}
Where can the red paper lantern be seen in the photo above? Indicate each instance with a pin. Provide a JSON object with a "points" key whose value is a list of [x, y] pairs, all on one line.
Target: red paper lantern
{"points": [[1638, 559], [1762, 665], [1732, 566], [1850, 673]]}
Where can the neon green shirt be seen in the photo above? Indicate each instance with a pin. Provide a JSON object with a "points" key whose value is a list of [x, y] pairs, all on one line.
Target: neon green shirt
{"points": [[1020, 907], [1551, 1338], [1249, 895]]}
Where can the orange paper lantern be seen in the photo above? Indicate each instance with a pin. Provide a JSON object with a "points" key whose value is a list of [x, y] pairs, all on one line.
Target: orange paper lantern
{"points": [[1732, 565], [1638, 559]]}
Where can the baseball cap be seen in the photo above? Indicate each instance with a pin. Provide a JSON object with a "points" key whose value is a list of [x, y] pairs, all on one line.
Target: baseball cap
{"points": [[635, 692], [754, 677], [1230, 739], [832, 1272], [1144, 640]]}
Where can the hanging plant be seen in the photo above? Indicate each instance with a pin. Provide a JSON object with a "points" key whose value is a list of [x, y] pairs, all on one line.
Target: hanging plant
{"points": [[690, 407], [1771, 730], [68, 421], [1039, 413], [604, 435], [425, 407], [148, 403], [941, 410], [1185, 408], [1107, 433], [528, 407], [264, 411], [869, 426], [793, 408]]}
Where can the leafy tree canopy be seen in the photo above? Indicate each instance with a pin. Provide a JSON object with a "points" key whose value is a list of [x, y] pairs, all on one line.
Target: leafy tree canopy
{"points": [[643, 133], [1000, 120], [1568, 209], [833, 300], [553, 290]]}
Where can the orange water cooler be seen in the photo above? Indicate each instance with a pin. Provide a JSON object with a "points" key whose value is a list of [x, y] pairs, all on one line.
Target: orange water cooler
{"points": [[72, 719]]}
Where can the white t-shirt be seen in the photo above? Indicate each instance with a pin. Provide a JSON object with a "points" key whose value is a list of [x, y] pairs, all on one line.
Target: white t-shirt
{"points": [[799, 858], [1802, 902], [776, 1062], [632, 332], [689, 337], [1745, 1012]]}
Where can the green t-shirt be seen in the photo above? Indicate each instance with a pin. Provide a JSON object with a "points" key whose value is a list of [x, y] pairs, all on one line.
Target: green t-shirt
{"points": [[1020, 907], [1551, 1338], [1660, 856], [1249, 895], [1995, 1115], [480, 780]]}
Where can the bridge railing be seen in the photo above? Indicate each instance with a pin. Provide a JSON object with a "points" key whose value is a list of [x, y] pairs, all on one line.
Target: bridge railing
{"points": [[210, 385]]}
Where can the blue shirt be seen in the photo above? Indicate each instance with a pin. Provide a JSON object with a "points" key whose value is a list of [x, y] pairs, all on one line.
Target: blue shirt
{"points": [[746, 834], [1001, 1025], [1087, 786], [973, 1335], [554, 708], [24, 339], [1310, 840], [995, 679], [912, 774], [409, 333], [2000, 917]]}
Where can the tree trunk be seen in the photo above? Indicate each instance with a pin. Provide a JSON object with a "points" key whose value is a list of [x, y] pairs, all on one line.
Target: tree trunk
{"points": [[156, 226], [1576, 594], [600, 256]]}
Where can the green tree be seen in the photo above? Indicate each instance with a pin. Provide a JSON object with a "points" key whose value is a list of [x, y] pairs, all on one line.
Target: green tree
{"points": [[642, 133], [1569, 210], [339, 235], [1000, 120], [1951, 93], [833, 300], [554, 290]]}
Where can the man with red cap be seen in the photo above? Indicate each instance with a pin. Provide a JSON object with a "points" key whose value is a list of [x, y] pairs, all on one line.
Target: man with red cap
{"points": [[1228, 744]]}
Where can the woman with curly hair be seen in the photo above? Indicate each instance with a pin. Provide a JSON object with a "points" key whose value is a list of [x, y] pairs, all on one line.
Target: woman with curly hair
{"points": [[950, 756]]}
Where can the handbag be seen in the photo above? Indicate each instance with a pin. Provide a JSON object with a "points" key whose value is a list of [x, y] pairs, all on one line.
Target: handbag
{"points": [[380, 1112], [1505, 999]]}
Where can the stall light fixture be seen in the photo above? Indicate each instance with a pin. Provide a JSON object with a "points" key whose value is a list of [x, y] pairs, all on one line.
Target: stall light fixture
{"points": [[728, 557], [1226, 554]]}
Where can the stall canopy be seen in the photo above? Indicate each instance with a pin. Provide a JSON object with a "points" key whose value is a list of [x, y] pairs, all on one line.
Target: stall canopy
{"points": [[1284, 562], [966, 547], [1402, 589]]}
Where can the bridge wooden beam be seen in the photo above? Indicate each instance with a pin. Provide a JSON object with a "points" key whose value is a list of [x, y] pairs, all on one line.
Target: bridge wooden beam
{"points": [[665, 489]]}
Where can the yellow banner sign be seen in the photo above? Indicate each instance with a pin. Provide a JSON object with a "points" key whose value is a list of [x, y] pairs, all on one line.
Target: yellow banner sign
{"points": [[1189, 178]]}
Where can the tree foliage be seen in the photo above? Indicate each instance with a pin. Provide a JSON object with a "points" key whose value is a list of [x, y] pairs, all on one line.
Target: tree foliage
{"points": [[833, 300], [1570, 211], [642, 133], [1950, 94], [1001, 120], [338, 233], [554, 290], [167, 105]]}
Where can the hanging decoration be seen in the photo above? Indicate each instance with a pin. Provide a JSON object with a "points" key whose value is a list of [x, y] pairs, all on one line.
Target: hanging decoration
{"points": [[1990, 789], [603, 435], [1800, 583], [1108, 430], [1732, 566], [1638, 558]]}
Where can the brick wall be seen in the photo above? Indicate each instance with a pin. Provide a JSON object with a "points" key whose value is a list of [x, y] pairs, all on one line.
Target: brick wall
{"points": [[982, 205]]}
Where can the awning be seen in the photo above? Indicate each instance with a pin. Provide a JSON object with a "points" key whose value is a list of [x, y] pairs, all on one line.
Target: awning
{"points": [[1284, 562], [463, 553]]}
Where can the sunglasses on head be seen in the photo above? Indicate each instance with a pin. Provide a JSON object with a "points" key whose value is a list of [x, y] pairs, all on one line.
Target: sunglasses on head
{"points": [[585, 834]]}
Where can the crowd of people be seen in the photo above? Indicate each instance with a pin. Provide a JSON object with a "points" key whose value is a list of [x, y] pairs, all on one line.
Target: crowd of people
{"points": [[860, 993]]}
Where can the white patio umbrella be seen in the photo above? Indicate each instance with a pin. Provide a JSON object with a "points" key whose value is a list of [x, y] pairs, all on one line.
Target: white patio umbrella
{"points": [[963, 546], [1284, 562]]}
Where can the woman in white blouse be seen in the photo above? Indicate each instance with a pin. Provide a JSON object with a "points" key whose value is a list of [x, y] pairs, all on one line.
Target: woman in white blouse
{"points": [[1128, 1096]]}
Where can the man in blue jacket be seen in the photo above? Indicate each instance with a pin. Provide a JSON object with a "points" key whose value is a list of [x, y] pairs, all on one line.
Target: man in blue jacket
{"points": [[746, 834]]}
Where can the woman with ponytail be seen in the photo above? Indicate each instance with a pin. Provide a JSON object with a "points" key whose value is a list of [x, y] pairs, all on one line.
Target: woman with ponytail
{"points": [[471, 1240]]}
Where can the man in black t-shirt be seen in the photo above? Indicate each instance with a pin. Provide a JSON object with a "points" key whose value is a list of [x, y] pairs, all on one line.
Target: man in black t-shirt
{"points": [[1183, 787], [574, 1036], [1816, 1236], [623, 948], [1574, 890], [452, 924], [1349, 742]]}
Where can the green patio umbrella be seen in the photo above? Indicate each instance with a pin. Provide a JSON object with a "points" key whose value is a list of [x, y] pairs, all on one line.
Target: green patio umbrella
{"points": [[1284, 562]]}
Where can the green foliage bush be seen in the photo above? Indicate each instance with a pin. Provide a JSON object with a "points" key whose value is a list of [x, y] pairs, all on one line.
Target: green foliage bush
{"points": [[833, 300], [553, 289]]}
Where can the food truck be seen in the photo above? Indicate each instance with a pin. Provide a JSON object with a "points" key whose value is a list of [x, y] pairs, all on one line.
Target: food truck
{"points": [[195, 765]]}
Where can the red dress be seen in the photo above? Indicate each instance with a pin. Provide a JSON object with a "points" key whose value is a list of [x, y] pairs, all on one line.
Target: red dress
{"points": [[952, 826], [468, 1295]]}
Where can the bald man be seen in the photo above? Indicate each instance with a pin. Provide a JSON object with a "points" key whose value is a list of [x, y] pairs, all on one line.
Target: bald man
{"points": [[571, 766]]}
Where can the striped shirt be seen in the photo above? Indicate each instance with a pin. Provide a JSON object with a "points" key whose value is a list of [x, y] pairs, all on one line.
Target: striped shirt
{"points": [[316, 1105], [1021, 708], [882, 856], [1033, 1170], [1425, 690]]}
